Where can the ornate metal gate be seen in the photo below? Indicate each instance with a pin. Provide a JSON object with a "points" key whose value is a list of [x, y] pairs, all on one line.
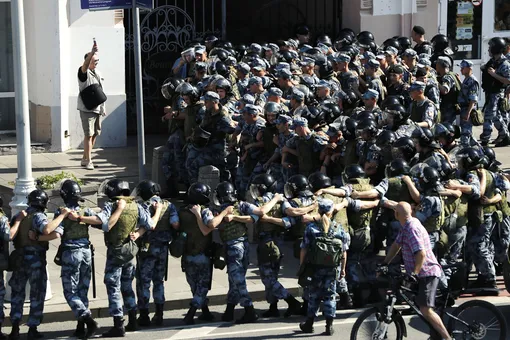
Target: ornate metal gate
{"points": [[164, 32]]}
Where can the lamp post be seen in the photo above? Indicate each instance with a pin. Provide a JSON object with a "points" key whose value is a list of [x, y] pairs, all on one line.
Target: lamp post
{"points": [[24, 182]]}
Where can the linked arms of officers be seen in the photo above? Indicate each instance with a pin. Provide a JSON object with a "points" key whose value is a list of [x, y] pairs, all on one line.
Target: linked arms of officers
{"points": [[483, 186], [294, 212], [501, 79], [197, 211]]}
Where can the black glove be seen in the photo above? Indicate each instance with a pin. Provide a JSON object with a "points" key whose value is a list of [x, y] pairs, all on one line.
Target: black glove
{"points": [[382, 268], [412, 278]]}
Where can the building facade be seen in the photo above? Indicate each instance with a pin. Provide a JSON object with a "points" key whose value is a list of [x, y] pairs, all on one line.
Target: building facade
{"points": [[59, 33]]}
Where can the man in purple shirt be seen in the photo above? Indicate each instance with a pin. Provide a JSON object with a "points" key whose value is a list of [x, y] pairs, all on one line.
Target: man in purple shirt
{"points": [[420, 263]]}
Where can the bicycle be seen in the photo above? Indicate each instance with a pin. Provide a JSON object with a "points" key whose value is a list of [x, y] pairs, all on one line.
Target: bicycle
{"points": [[386, 322]]}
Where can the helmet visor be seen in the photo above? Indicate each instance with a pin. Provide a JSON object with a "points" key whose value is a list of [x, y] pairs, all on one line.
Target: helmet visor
{"points": [[288, 191]]}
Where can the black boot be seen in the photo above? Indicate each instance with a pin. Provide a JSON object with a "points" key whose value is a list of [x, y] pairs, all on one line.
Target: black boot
{"points": [[157, 319], [304, 308], [228, 316], [188, 319], [272, 312], [33, 334], [294, 307], [249, 316], [307, 326], [206, 314], [117, 331], [91, 326], [14, 331], [131, 326], [329, 327], [344, 302], [143, 319], [80, 330]]}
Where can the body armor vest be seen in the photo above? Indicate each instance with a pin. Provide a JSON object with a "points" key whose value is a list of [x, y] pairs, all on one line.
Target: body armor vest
{"points": [[125, 225], [298, 230], [434, 223], [398, 191], [490, 191], [232, 230], [164, 219], [360, 219], [489, 83], [276, 212], [451, 97], [21, 240], [267, 137], [74, 230], [210, 122], [503, 205], [417, 112], [341, 216], [309, 161], [196, 242], [190, 120], [350, 156]]}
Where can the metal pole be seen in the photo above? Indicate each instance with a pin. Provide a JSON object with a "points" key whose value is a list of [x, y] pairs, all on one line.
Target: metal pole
{"points": [[223, 20], [139, 92], [24, 182]]}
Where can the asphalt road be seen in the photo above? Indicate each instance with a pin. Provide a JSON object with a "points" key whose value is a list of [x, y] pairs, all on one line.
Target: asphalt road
{"points": [[264, 329]]}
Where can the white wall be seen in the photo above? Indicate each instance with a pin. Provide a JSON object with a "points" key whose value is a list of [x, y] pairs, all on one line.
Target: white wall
{"points": [[58, 34]]}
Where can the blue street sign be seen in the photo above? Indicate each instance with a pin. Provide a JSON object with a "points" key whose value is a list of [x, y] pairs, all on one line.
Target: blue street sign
{"points": [[102, 5]]}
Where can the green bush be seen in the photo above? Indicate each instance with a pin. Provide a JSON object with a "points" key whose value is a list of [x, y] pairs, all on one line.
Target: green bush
{"points": [[50, 181]]}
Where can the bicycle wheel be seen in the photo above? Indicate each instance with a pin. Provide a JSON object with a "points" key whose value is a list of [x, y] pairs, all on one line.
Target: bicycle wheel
{"points": [[479, 320], [368, 327], [506, 271]]}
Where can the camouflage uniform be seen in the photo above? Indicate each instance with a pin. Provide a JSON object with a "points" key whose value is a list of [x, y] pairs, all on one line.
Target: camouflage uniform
{"points": [[33, 270], [238, 252], [119, 278], [5, 235], [286, 172], [468, 92], [246, 168], [151, 263]]}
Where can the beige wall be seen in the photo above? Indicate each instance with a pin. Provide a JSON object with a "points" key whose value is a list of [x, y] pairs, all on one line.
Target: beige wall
{"points": [[388, 25]]}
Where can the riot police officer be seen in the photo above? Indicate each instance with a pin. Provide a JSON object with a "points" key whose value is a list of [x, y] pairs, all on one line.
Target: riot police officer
{"points": [[423, 110], [196, 261], [76, 259], [152, 258], [449, 87], [271, 227], [468, 99]]}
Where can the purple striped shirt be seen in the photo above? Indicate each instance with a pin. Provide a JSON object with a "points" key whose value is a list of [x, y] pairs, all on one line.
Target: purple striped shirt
{"points": [[412, 238]]}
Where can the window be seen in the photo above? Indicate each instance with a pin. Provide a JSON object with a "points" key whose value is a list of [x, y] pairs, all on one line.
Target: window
{"points": [[502, 15], [7, 113], [465, 29]]}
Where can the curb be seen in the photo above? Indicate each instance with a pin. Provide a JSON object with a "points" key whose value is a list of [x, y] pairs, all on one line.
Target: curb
{"points": [[64, 312]]}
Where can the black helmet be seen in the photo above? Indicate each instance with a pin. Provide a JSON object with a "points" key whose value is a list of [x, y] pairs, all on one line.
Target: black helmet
{"points": [[352, 172], [261, 184], [365, 36], [349, 129], [404, 148], [70, 191], [318, 180], [324, 39], [38, 198], [146, 189], [391, 42], [439, 43], [397, 167], [297, 185], [399, 114], [391, 100], [221, 69], [314, 115], [326, 70], [115, 187], [225, 193], [169, 87], [272, 107], [497, 46], [331, 111], [199, 193], [345, 37], [425, 138], [365, 115], [240, 51], [442, 166], [469, 158], [186, 89], [490, 155], [367, 125], [405, 43], [220, 53], [385, 138], [351, 100], [286, 56], [429, 178], [223, 84], [447, 131]]}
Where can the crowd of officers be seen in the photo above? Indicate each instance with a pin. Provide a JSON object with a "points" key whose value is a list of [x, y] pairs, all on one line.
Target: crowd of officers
{"points": [[315, 146]]}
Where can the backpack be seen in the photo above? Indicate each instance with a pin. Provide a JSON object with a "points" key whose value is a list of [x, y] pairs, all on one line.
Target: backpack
{"points": [[326, 251]]}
